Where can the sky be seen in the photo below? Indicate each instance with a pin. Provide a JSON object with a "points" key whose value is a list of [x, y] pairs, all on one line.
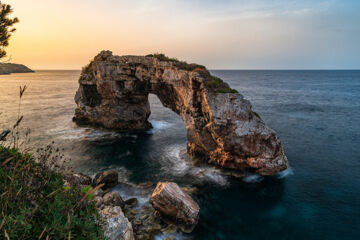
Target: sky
{"points": [[226, 34]]}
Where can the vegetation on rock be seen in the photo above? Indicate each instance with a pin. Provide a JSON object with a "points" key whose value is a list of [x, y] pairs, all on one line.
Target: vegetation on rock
{"points": [[35, 204]]}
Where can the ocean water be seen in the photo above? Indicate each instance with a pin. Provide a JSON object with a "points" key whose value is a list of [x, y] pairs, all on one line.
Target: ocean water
{"points": [[316, 114]]}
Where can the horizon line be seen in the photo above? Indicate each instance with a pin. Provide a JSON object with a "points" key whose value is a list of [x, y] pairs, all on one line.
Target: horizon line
{"points": [[241, 69]]}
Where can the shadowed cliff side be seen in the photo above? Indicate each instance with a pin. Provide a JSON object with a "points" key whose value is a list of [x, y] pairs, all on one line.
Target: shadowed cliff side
{"points": [[220, 126]]}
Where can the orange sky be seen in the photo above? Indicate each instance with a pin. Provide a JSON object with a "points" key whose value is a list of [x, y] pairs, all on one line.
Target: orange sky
{"points": [[231, 34]]}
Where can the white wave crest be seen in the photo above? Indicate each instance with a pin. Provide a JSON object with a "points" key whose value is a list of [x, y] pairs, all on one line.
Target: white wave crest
{"points": [[286, 173], [252, 178], [159, 126]]}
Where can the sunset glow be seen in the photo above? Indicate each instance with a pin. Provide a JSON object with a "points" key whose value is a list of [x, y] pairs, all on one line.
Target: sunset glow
{"points": [[220, 34]]}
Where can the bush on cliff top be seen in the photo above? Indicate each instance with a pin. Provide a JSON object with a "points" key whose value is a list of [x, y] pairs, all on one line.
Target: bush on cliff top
{"points": [[35, 204], [180, 64]]}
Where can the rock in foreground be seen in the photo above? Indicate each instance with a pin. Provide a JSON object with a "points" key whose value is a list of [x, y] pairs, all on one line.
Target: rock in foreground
{"points": [[221, 127], [108, 178], [171, 201], [118, 226]]}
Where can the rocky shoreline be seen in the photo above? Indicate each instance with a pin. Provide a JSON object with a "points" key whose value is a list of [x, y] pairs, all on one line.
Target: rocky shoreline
{"points": [[169, 209], [8, 68]]}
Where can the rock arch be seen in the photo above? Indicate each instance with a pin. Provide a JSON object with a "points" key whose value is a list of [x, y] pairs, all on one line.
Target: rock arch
{"points": [[220, 126]]}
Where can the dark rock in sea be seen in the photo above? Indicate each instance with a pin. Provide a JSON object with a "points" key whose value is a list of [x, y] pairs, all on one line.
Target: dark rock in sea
{"points": [[221, 127], [77, 179], [113, 199], [108, 178], [131, 202], [7, 68], [171, 201]]}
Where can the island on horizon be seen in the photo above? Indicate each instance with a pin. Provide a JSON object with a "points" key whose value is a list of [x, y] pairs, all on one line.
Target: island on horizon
{"points": [[8, 68]]}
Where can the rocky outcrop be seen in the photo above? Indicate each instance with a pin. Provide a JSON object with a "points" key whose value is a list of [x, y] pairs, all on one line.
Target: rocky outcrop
{"points": [[118, 226], [7, 68], [77, 179], [221, 127], [108, 178], [108, 203], [171, 201]]}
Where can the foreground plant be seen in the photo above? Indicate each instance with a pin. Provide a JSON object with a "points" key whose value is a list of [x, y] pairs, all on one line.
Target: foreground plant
{"points": [[35, 204]]}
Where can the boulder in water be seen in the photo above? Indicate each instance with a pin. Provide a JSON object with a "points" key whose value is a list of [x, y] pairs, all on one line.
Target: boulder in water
{"points": [[108, 178], [171, 201]]}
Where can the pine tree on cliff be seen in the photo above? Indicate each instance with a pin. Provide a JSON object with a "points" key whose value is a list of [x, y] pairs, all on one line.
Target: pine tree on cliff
{"points": [[6, 30]]}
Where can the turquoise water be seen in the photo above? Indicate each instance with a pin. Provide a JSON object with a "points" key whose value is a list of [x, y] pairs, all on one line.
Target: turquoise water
{"points": [[316, 114]]}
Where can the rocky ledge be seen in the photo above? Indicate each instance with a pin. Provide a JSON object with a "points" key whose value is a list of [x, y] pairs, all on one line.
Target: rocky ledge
{"points": [[7, 68], [170, 209], [221, 127]]}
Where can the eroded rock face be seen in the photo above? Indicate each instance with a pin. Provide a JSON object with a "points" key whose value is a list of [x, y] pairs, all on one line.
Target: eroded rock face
{"points": [[170, 200], [220, 126]]}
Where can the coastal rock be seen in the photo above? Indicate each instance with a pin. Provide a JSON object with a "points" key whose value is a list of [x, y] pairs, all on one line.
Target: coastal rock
{"points": [[109, 178], [77, 179], [221, 127], [171, 201], [113, 199], [7, 68], [118, 226]]}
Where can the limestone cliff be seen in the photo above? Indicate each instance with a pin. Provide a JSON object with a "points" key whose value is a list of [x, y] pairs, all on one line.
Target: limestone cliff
{"points": [[7, 68], [220, 126]]}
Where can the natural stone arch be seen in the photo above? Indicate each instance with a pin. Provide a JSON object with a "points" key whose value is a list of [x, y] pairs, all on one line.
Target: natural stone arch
{"points": [[220, 126]]}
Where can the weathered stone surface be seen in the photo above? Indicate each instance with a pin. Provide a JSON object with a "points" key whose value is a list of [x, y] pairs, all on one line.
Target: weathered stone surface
{"points": [[113, 199], [109, 178], [170, 200], [221, 127], [118, 226], [77, 179]]}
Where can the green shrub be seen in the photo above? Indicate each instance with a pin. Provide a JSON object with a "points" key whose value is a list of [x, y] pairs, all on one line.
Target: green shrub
{"points": [[35, 204], [227, 90], [215, 82], [256, 114], [85, 190], [162, 57], [217, 85]]}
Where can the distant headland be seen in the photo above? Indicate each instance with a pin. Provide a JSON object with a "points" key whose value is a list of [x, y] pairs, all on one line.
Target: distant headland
{"points": [[8, 68]]}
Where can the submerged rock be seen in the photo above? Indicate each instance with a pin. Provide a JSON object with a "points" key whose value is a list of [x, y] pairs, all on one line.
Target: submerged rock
{"points": [[109, 178], [131, 202], [171, 201], [221, 127]]}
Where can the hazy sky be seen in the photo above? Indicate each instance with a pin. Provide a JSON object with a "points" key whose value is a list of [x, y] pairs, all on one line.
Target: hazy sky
{"points": [[257, 34]]}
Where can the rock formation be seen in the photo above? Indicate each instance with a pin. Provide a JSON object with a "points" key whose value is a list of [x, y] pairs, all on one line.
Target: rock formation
{"points": [[108, 178], [220, 126], [118, 226], [170, 200], [7, 68]]}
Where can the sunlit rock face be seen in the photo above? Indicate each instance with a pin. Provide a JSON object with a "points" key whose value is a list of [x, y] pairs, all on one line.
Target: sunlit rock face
{"points": [[220, 126]]}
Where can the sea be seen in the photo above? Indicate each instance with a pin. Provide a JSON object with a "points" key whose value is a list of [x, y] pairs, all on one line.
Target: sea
{"points": [[315, 113]]}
